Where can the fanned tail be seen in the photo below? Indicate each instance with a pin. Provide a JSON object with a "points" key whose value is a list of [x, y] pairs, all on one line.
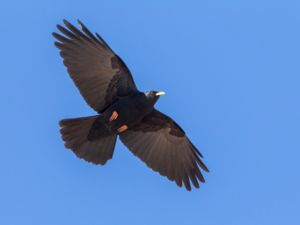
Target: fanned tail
{"points": [[75, 133]]}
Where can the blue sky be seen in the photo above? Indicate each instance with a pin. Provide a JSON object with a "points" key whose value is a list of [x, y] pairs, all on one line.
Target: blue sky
{"points": [[231, 72]]}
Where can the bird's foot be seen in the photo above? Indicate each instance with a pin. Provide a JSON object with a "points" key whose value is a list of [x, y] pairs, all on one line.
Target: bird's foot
{"points": [[122, 128], [113, 116]]}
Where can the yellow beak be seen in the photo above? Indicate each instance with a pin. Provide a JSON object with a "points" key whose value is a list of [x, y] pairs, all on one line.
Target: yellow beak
{"points": [[160, 93]]}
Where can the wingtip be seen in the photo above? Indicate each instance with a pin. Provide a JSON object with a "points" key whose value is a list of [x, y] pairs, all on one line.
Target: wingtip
{"points": [[58, 45], [205, 168], [80, 24], [196, 187], [58, 26], [55, 35], [202, 180], [189, 188], [66, 22], [61, 123]]}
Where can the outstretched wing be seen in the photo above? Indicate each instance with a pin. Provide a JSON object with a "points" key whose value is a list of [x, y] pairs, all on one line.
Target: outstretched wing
{"points": [[100, 75], [165, 148]]}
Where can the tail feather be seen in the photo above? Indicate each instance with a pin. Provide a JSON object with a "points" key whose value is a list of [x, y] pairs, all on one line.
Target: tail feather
{"points": [[75, 134]]}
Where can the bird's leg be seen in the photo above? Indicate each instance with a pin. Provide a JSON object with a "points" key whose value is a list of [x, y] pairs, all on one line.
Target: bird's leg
{"points": [[122, 128], [113, 116]]}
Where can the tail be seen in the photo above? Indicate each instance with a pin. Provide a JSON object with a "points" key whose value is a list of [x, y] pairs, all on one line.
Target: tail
{"points": [[75, 133]]}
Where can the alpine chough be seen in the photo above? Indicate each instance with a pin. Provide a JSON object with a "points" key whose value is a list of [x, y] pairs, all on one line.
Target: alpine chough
{"points": [[107, 85]]}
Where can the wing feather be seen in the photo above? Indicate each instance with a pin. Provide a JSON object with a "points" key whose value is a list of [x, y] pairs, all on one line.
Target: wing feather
{"points": [[100, 75], [165, 148]]}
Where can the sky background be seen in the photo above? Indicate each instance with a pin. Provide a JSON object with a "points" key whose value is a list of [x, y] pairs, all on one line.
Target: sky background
{"points": [[231, 72]]}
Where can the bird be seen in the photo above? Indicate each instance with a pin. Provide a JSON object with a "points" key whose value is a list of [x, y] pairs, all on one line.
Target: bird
{"points": [[107, 85]]}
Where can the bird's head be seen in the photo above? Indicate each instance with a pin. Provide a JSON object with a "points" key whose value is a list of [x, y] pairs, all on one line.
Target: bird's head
{"points": [[153, 96]]}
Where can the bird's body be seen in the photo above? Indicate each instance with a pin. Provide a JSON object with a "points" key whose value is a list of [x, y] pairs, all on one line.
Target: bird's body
{"points": [[107, 85], [130, 111]]}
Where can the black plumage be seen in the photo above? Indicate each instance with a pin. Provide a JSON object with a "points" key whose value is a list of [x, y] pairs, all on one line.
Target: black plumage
{"points": [[107, 85]]}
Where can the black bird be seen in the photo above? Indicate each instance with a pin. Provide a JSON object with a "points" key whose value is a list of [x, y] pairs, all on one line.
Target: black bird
{"points": [[107, 85]]}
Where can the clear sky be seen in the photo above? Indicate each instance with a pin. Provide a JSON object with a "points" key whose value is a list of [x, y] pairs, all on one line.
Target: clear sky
{"points": [[231, 70]]}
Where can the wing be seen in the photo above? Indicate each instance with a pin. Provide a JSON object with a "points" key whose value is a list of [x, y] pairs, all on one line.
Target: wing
{"points": [[165, 148], [100, 75]]}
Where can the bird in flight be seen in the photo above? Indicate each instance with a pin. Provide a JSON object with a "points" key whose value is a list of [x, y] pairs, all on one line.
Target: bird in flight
{"points": [[107, 86]]}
